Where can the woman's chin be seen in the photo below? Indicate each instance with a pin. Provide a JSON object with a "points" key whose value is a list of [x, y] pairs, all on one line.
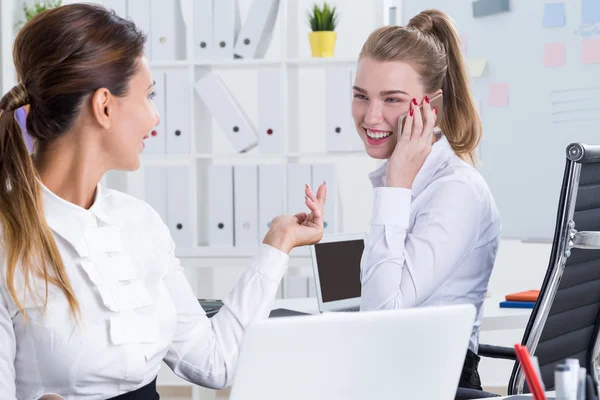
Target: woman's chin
{"points": [[379, 153]]}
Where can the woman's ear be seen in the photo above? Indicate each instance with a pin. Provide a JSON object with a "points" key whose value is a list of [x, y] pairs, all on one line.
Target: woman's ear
{"points": [[102, 103]]}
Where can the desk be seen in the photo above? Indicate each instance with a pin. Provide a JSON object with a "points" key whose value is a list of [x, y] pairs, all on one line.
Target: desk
{"points": [[548, 395], [494, 317]]}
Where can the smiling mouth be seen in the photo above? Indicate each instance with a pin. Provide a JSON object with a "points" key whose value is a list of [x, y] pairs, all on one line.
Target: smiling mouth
{"points": [[377, 134]]}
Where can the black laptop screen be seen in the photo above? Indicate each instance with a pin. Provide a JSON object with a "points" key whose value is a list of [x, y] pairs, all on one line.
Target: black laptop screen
{"points": [[339, 269]]}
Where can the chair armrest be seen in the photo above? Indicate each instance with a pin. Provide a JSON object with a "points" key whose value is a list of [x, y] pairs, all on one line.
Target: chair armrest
{"points": [[507, 353]]}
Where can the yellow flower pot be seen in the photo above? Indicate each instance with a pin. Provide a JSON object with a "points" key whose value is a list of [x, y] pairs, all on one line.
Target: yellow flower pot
{"points": [[322, 43]]}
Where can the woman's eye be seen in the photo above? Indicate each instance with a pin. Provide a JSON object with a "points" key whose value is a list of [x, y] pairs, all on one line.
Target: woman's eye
{"points": [[152, 95], [393, 100], [359, 97]]}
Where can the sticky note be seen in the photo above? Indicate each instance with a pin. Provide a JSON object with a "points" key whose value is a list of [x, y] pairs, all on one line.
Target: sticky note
{"points": [[554, 55], [498, 95], [590, 11], [476, 66], [463, 43], [554, 15], [590, 51]]}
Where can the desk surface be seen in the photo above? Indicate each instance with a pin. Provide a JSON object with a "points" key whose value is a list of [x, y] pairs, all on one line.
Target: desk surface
{"points": [[549, 395], [494, 317]]}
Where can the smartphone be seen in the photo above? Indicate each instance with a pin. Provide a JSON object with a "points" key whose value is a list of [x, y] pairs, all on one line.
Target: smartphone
{"points": [[435, 102]]}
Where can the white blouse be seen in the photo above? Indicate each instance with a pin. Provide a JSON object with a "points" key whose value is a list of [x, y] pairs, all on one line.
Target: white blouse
{"points": [[435, 244], [137, 308]]}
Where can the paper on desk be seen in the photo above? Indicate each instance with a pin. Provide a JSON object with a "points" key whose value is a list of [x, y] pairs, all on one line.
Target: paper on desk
{"points": [[476, 66], [554, 15], [498, 94], [554, 55]]}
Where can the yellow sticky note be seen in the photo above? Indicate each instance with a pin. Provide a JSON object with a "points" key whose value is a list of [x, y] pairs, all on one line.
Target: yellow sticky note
{"points": [[476, 66]]}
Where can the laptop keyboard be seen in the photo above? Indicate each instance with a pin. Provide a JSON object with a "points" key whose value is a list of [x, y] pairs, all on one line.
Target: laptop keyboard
{"points": [[353, 308]]}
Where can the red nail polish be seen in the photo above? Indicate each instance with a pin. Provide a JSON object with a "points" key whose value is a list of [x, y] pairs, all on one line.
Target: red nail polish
{"points": [[435, 111], [415, 102], [412, 112], [426, 99]]}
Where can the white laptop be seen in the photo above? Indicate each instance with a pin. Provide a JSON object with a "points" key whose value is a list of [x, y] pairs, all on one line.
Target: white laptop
{"points": [[415, 353], [336, 266]]}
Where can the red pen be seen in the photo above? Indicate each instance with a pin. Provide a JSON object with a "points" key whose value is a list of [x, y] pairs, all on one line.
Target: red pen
{"points": [[530, 375]]}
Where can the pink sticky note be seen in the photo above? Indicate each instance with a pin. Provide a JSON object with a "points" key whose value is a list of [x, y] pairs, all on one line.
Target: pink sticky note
{"points": [[498, 95], [463, 43], [590, 51], [554, 55]]}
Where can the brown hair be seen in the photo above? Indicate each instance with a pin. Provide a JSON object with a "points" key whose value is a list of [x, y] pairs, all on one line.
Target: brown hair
{"points": [[431, 45], [62, 56]]}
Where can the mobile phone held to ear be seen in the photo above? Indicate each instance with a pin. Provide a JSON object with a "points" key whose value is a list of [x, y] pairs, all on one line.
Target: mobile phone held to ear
{"points": [[435, 102]]}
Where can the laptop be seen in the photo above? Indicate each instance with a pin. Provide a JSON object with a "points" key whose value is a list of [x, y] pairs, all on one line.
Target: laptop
{"points": [[415, 353], [336, 266]]}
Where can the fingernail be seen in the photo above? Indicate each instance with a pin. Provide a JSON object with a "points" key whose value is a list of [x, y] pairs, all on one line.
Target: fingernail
{"points": [[426, 99], [415, 102], [412, 112], [325, 183], [435, 111]]}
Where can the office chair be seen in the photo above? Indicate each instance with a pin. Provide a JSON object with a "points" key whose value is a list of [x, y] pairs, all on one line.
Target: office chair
{"points": [[565, 321]]}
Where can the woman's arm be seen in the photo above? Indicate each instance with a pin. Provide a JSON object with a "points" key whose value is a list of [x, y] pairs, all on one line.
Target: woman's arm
{"points": [[400, 268], [205, 351]]}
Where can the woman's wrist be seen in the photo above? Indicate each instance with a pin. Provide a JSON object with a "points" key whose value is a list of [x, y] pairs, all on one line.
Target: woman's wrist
{"points": [[279, 240]]}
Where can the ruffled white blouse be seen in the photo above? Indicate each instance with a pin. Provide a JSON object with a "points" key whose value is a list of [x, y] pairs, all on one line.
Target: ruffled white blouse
{"points": [[137, 307]]}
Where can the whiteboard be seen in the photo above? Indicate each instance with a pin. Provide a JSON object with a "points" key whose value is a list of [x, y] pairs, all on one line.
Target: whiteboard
{"points": [[523, 145]]}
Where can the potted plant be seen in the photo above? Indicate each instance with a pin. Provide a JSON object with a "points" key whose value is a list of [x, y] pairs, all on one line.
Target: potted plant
{"points": [[38, 7], [323, 22]]}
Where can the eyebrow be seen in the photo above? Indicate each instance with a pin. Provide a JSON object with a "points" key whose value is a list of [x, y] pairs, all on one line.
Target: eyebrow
{"points": [[382, 93]]}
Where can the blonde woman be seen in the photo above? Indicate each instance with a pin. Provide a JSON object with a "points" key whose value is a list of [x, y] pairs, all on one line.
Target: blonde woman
{"points": [[92, 297], [435, 227]]}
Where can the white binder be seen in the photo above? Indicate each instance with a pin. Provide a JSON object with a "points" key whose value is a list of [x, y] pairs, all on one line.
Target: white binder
{"points": [[341, 134], [226, 27], [270, 128], [155, 190], [257, 31], [139, 12], [226, 112], [178, 112], [298, 176], [220, 205], [179, 210], [203, 30], [118, 6], [245, 204], [327, 173], [162, 29], [157, 140], [271, 192]]}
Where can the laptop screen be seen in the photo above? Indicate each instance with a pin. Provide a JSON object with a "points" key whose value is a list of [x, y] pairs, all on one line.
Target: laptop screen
{"points": [[338, 264]]}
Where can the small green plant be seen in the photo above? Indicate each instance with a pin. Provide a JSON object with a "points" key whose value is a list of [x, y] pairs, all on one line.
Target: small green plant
{"points": [[322, 19], [37, 8]]}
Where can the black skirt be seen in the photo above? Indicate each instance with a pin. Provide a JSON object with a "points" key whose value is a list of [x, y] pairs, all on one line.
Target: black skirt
{"points": [[147, 392]]}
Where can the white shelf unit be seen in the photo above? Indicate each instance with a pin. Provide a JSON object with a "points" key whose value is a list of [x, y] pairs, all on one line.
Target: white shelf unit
{"points": [[208, 144]]}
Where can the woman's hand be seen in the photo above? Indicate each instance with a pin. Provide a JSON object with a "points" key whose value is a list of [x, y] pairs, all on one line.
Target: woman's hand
{"points": [[289, 231], [413, 146]]}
